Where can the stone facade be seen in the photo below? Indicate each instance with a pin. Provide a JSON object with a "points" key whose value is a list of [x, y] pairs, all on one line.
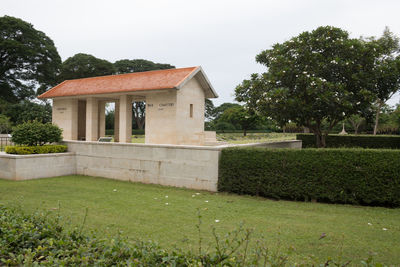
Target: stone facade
{"points": [[174, 115]]}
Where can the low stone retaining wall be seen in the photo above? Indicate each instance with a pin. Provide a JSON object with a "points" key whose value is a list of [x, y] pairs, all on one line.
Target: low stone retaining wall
{"points": [[193, 167], [26, 167]]}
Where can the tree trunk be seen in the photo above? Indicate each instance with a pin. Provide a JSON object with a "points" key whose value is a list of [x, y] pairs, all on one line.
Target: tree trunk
{"points": [[321, 139], [140, 123], [244, 132], [355, 126], [380, 104]]}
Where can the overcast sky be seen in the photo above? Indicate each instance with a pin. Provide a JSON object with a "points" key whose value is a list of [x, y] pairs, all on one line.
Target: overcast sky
{"points": [[223, 36]]}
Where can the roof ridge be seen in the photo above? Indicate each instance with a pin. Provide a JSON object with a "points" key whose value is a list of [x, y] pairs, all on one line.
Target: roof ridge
{"points": [[129, 73], [188, 75]]}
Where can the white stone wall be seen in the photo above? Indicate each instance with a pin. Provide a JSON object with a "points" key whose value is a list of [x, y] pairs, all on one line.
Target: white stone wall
{"points": [[7, 167], [65, 116], [181, 166], [26, 167], [190, 129], [161, 124]]}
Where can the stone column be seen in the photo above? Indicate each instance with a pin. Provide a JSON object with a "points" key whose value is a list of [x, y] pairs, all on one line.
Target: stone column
{"points": [[102, 119], [92, 119], [116, 122], [125, 119]]}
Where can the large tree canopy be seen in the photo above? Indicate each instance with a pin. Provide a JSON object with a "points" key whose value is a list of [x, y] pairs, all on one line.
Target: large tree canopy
{"points": [[28, 60], [28, 111], [137, 65], [315, 77], [241, 118], [83, 66], [386, 70]]}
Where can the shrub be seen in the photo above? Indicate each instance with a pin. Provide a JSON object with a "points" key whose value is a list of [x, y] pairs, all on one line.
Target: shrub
{"points": [[26, 150], [354, 176], [364, 141], [36, 133]]}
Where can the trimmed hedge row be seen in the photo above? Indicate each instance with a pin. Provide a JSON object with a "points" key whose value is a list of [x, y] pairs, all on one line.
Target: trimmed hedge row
{"points": [[363, 141], [353, 176], [26, 150]]}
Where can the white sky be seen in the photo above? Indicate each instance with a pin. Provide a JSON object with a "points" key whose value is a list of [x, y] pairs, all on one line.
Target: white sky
{"points": [[223, 36]]}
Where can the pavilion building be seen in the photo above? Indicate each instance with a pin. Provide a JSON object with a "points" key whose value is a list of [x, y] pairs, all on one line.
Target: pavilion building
{"points": [[175, 103]]}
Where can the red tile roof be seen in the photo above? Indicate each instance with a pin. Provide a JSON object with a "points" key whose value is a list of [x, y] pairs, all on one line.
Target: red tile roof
{"points": [[130, 82]]}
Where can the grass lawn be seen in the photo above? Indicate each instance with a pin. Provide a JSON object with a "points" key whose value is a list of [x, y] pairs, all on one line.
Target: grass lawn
{"points": [[141, 212], [238, 138]]}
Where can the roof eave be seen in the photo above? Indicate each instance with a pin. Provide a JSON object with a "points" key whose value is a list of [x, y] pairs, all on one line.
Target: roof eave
{"points": [[199, 70]]}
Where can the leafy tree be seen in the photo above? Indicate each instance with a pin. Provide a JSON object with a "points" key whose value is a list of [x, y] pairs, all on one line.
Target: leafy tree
{"points": [[240, 116], [396, 115], [138, 65], [386, 71], [356, 121], [110, 114], [315, 77], [209, 110], [291, 127], [28, 111], [5, 124], [28, 60], [139, 113], [83, 66], [224, 126], [389, 120], [218, 111]]}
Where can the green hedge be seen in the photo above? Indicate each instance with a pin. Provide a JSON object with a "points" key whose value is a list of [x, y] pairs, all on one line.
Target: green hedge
{"points": [[26, 150], [364, 141], [354, 176]]}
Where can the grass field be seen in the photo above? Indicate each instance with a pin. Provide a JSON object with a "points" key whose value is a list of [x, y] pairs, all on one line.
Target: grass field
{"points": [[141, 212], [238, 138]]}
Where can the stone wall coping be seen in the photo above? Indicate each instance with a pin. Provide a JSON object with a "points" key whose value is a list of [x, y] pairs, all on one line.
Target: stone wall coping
{"points": [[216, 148], [261, 144], [212, 148], [14, 156]]}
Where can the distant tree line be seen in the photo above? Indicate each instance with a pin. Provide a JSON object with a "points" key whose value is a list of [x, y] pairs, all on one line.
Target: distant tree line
{"points": [[234, 117]]}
